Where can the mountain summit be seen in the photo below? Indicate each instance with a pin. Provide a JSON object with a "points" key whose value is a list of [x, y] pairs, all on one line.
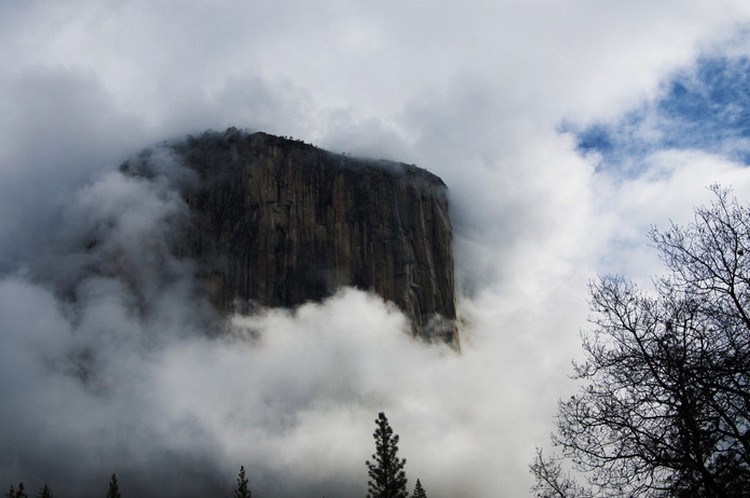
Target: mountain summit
{"points": [[278, 222]]}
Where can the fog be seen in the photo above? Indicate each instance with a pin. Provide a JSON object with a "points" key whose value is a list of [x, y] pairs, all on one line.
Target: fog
{"points": [[140, 376]]}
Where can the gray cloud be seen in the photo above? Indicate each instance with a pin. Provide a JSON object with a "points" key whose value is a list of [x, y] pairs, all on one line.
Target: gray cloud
{"points": [[124, 377]]}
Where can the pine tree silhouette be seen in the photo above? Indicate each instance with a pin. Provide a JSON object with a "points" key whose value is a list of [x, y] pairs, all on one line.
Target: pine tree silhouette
{"points": [[242, 491], [419, 491], [114, 491], [45, 492], [386, 471], [20, 493]]}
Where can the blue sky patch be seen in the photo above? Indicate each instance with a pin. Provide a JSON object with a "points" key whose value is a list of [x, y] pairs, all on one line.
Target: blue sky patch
{"points": [[705, 108]]}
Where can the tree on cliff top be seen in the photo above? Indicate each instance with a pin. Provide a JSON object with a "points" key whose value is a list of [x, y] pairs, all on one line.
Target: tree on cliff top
{"points": [[664, 408], [386, 471]]}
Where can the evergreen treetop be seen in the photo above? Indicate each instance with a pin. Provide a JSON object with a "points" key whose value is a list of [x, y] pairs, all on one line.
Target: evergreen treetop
{"points": [[114, 491], [13, 493], [419, 491], [19, 493], [386, 471], [45, 492], [242, 490]]}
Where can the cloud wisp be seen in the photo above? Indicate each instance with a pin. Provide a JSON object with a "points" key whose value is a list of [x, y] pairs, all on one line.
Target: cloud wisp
{"points": [[137, 375]]}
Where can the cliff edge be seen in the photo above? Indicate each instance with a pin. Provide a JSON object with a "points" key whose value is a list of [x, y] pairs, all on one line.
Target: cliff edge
{"points": [[278, 222]]}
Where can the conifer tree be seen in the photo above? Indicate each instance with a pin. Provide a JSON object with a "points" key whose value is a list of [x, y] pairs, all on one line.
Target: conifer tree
{"points": [[19, 493], [13, 493], [386, 471], [242, 491], [418, 491], [45, 492], [114, 491]]}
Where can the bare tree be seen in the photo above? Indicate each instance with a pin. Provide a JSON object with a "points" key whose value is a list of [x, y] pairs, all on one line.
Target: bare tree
{"points": [[664, 408], [552, 481]]}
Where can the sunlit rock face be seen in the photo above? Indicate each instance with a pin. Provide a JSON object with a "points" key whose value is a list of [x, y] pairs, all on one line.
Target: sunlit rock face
{"points": [[277, 222]]}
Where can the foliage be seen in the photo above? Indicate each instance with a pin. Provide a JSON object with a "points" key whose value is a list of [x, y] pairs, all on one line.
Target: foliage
{"points": [[242, 490], [386, 471], [664, 409], [17, 493], [419, 491], [45, 492], [113, 491]]}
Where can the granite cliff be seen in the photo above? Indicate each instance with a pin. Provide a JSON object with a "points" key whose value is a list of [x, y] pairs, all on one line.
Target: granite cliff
{"points": [[278, 222]]}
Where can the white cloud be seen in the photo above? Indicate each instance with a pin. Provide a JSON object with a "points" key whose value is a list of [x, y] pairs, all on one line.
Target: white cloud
{"points": [[474, 92]]}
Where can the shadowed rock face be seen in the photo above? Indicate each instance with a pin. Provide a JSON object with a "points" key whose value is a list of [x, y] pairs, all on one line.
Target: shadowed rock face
{"points": [[278, 222]]}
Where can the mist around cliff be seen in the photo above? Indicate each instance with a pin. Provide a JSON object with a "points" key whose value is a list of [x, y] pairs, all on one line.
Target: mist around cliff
{"points": [[139, 376], [563, 131]]}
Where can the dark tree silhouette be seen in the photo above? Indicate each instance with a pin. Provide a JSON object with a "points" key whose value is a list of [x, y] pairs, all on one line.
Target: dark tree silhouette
{"points": [[17, 493], [419, 491], [386, 471], [551, 481], [45, 492], [114, 491], [242, 490], [664, 408]]}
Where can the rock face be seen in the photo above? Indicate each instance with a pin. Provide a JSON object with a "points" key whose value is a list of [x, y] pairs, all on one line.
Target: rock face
{"points": [[278, 222]]}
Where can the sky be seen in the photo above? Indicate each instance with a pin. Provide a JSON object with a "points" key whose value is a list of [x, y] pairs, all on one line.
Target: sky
{"points": [[564, 130]]}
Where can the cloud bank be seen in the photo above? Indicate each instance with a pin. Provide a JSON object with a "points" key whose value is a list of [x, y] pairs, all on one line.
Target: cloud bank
{"points": [[563, 132]]}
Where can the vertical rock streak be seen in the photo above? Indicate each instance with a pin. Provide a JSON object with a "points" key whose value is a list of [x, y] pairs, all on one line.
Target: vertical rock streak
{"points": [[278, 222]]}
